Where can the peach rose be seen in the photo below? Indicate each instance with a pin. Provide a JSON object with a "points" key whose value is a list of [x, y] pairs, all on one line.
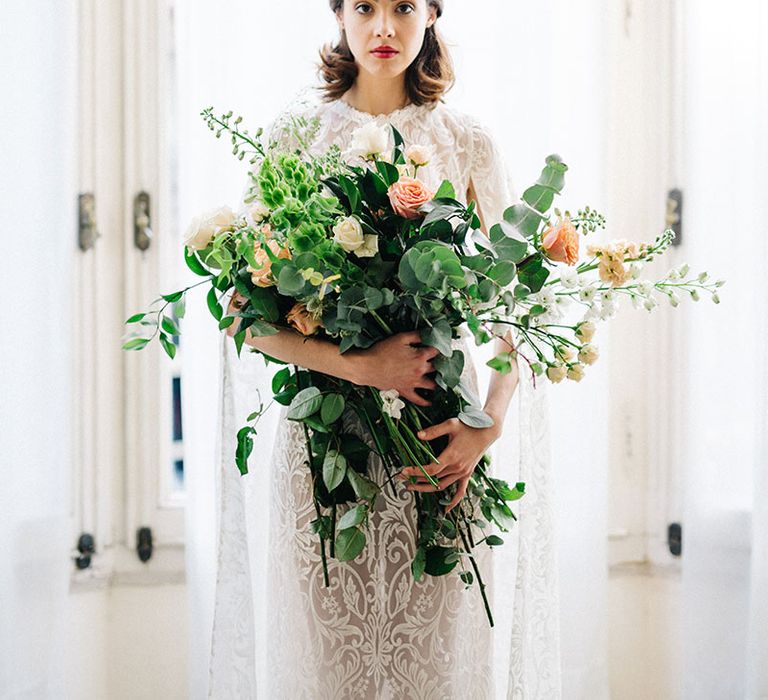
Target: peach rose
{"points": [[302, 320], [561, 242], [262, 276], [407, 195]]}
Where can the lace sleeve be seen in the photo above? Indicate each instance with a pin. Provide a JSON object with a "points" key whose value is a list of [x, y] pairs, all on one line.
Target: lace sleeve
{"points": [[489, 175]]}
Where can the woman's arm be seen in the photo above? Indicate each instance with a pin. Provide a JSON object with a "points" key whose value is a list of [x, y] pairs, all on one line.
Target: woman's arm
{"points": [[502, 387], [393, 363]]}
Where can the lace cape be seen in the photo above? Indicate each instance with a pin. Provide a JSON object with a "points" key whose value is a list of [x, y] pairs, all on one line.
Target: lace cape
{"points": [[526, 647]]}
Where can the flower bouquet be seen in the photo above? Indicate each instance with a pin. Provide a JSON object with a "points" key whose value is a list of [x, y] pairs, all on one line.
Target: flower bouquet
{"points": [[354, 248]]}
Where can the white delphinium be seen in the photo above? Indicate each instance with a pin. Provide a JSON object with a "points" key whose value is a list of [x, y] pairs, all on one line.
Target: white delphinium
{"points": [[645, 287], [650, 303], [587, 294], [674, 299], [569, 278], [392, 405]]}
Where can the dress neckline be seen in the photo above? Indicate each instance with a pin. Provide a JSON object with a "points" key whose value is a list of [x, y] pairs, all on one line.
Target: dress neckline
{"points": [[411, 107]]}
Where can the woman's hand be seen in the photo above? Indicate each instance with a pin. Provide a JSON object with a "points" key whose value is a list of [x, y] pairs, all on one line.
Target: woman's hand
{"points": [[457, 461], [394, 363]]}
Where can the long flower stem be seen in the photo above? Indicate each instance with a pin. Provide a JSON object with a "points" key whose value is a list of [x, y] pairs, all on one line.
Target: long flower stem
{"points": [[478, 576]]}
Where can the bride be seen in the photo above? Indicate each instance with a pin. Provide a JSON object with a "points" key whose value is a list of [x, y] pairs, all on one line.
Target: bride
{"points": [[374, 632]]}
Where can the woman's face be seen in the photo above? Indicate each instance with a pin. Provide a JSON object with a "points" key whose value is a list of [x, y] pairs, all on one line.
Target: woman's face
{"points": [[398, 25]]}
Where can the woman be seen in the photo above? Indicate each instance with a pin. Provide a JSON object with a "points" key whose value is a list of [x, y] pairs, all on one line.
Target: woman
{"points": [[374, 632]]}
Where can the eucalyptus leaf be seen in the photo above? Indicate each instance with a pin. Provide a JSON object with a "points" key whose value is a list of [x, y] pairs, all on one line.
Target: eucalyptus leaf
{"points": [[475, 418]]}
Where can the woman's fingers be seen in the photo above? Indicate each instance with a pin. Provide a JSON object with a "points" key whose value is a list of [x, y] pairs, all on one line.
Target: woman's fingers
{"points": [[460, 491], [434, 431], [432, 468], [444, 481]]}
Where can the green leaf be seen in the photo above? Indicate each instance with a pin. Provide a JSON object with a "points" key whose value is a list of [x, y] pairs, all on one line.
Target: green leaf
{"points": [[333, 407], [419, 563], [389, 172], [260, 329], [539, 197], [363, 487], [239, 340], [467, 577], [503, 272], [334, 469], [445, 190], [439, 336], [353, 517], [493, 540], [169, 326], [135, 344], [213, 305], [450, 368], [305, 403], [280, 379], [349, 543], [226, 322], [525, 219], [475, 418], [172, 298], [502, 363], [244, 449], [135, 318], [194, 264], [533, 274], [290, 281], [437, 562], [179, 308], [168, 345]]}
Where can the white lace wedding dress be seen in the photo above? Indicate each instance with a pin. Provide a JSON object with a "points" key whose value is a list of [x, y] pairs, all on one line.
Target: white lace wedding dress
{"points": [[375, 633]]}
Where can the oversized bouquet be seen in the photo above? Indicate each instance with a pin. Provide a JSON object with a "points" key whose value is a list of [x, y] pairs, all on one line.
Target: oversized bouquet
{"points": [[354, 250]]}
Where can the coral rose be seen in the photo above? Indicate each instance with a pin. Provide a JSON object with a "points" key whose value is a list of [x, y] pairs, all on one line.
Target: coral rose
{"points": [[302, 320], [561, 242], [262, 276], [407, 195]]}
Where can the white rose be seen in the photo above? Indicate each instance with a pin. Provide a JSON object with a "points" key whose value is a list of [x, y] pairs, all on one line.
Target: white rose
{"points": [[348, 233], [204, 228], [258, 212], [418, 155], [369, 140], [556, 373], [576, 373], [370, 246], [585, 331], [589, 354]]}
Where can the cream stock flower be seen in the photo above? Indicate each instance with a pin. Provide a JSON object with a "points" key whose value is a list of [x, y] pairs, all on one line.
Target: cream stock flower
{"points": [[348, 233], [205, 227]]}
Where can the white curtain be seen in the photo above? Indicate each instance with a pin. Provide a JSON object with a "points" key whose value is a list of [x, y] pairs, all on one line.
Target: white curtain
{"points": [[516, 63], [37, 206], [725, 522]]}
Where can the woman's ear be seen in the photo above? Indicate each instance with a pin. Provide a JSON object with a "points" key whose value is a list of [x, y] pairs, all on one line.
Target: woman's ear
{"points": [[432, 18], [339, 20]]}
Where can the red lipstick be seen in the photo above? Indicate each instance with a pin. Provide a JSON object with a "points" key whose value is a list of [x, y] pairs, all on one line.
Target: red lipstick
{"points": [[384, 51]]}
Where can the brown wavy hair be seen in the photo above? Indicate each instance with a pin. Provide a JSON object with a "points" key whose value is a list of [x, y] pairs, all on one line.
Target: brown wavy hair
{"points": [[427, 79]]}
